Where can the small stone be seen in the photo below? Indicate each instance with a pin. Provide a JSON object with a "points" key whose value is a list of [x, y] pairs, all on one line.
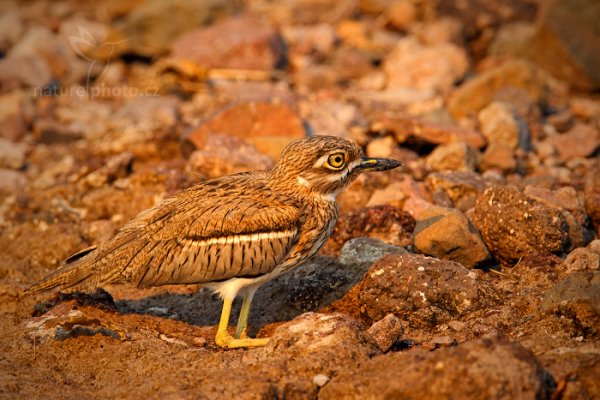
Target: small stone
{"points": [[364, 251], [12, 155], [386, 331], [381, 147], [460, 188], [577, 297], [440, 30], [320, 380], [499, 124], [11, 181], [423, 291], [498, 156], [50, 131], [458, 156], [580, 141], [447, 234], [513, 225], [401, 14], [11, 29], [582, 259], [238, 42], [594, 246], [429, 68], [585, 108], [456, 326], [13, 119], [391, 195]]}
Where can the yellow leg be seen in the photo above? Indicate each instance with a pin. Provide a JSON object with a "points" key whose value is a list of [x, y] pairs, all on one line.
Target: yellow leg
{"points": [[240, 330], [224, 339]]}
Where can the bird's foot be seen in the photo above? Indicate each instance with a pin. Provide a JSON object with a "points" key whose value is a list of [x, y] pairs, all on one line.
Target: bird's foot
{"points": [[224, 339]]}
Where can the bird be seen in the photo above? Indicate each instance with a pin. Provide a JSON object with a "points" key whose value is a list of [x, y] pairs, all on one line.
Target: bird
{"points": [[230, 234]]}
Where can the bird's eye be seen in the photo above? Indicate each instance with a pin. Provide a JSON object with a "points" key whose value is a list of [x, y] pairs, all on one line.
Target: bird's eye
{"points": [[336, 161]]}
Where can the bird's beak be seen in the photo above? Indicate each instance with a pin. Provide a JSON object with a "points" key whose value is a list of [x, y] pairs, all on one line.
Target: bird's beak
{"points": [[377, 164]]}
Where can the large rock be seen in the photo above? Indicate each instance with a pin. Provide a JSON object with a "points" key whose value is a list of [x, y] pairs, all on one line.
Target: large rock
{"points": [[479, 369], [513, 225], [269, 127], [239, 42], [446, 233], [486, 87], [325, 344], [568, 31], [421, 290]]}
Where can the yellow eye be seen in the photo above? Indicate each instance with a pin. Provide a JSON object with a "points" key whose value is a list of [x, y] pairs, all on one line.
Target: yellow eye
{"points": [[336, 161]]}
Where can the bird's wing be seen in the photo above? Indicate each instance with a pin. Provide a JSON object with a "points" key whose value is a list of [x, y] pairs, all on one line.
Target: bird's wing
{"points": [[230, 227]]}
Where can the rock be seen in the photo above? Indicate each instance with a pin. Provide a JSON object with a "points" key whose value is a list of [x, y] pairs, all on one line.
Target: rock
{"points": [[11, 29], [401, 14], [591, 195], [577, 297], [513, 225], [461, 189], [421, 290], [12, 155], [414, 130], [568, 32], [50, 131], [390, 195], [116, 167], [485, 87], [321, 344], [498, 156], [499, 124], [11, 181], [24, 71], [361, 252], [571, 205], [447, 234], [584, 107], [334, 118], [495, 369], [386, 331], [381, 147], [13, 116], [150, 28], [309, 39], [594, 246], [383, 222], [457, 156], [440, 30], [580, 141], [582, 259], [239, 43], [225, 155], [428, 68], [269, 127]]}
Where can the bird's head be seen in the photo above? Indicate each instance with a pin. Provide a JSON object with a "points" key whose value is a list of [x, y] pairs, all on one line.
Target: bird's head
{"points": [[325, 165]]}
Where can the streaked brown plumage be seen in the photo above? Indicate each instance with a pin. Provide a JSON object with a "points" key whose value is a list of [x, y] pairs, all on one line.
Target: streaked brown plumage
{"points": [[232, 233]]}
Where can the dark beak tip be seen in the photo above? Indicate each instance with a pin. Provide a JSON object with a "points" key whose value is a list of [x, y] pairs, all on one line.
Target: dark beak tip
{"points": [[380, 164]]}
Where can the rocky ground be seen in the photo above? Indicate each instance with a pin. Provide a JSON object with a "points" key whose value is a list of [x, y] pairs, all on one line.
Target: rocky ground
{"points": [[471, 274]]}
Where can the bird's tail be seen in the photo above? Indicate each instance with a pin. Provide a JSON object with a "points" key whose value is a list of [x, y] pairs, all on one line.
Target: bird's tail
{"points": [[73, 272]]}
